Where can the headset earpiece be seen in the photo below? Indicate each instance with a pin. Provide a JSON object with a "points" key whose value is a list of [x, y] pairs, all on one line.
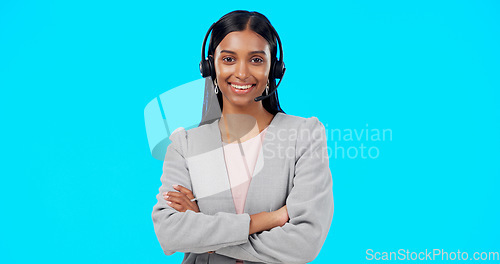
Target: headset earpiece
{"points": [[207, 63], [204, 65], [279, 69], [207, 67]]}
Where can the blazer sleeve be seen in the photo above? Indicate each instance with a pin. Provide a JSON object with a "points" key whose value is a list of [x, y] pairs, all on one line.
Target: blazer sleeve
{"points": [[309, 204], [190, 231]]}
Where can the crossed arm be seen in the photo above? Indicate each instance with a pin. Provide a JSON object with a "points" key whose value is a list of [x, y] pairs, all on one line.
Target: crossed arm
{"points": [[309, 207], [181, 200]]}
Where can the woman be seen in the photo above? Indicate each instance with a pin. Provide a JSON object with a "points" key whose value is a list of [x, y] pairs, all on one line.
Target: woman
{"points": [[253, 185]]}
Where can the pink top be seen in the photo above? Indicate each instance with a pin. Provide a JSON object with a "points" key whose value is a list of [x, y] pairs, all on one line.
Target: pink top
{"points": [[240, 164]]}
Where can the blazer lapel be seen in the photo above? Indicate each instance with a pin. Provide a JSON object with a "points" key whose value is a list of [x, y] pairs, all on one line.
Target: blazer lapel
{"points": [[262, 171], [209, 174]]}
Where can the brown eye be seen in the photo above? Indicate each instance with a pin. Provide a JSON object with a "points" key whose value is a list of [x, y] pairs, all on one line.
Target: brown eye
{"points": [[227, 59], [257, 60]]}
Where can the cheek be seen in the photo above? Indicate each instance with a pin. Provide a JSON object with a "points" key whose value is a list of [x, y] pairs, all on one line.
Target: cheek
{"points": [[264, 71], [261, 73], [223, 70]]}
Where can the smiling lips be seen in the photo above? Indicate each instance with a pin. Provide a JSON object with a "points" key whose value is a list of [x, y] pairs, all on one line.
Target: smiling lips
{"points": [[241, 86]]}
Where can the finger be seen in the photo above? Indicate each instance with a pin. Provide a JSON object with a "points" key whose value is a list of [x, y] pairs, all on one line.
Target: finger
{"points": [[182, 199], [181, 202], [184, 190], [170, 193], [179, 195], [177, 200], [175, 194], [187, 201], [177, 206], [169, 196]]}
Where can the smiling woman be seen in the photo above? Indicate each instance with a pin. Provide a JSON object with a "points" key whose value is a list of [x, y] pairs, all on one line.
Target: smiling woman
{"points": [[226, 195], [245, 45], [242, 64]]}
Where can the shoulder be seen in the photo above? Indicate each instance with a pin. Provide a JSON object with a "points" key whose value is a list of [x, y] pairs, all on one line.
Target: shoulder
{"points": [[178, 139], [182, 133], [301, 123], [200, 136], [309, 133]]}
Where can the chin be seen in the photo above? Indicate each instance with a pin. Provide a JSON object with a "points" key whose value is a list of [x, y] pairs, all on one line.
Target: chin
{"points": [[242, 102]]}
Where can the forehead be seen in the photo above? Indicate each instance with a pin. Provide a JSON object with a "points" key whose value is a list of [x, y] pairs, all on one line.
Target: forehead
{"points": [[243, 41]]}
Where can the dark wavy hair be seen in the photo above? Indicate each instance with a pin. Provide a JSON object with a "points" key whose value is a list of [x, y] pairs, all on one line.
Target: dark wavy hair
{"points": [[241, 20]]}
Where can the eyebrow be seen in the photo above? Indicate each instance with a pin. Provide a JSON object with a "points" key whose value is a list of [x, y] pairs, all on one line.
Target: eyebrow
{"points": [[252, 52]]}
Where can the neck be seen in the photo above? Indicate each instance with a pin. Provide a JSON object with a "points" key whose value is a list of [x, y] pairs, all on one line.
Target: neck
{"points": [[238, 122], [256, 110]]}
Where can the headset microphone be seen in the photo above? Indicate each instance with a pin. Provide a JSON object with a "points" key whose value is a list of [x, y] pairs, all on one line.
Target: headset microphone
{"points": [[256, 99]]}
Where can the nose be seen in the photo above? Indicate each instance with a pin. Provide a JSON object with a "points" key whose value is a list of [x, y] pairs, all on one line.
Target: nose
{"points": [[241, 70]]}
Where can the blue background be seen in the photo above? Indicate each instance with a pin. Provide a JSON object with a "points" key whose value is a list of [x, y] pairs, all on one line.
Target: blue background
{"points": [[78, 182]]}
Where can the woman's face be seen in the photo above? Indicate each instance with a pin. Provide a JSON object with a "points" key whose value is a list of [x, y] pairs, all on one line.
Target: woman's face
{"points": [[242, 63]]}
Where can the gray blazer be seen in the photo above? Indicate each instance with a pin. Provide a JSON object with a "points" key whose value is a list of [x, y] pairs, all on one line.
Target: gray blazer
{"points": [[292, 168]]}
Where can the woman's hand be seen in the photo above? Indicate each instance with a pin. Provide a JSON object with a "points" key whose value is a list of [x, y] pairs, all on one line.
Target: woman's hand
{"points": [[265, 221], [281, 216], [181, 201]]}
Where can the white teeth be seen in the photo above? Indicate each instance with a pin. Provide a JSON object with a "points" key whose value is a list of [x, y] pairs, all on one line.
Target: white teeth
{"points": [[241, 87]]}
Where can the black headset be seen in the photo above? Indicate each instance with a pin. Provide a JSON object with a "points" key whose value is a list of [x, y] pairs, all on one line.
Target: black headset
{"points": [[207, 64]]}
